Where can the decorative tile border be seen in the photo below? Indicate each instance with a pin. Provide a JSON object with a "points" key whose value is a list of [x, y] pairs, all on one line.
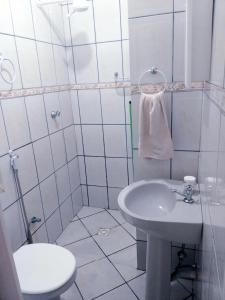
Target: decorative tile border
{"points": [[216, 94], [170, 87], [134, 89]]}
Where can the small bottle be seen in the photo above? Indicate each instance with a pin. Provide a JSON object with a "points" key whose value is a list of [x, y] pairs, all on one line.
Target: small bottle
{"points": [[190, 180]]}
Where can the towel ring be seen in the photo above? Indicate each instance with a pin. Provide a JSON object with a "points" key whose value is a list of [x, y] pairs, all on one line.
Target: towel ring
{"points": [[153, 70], [13, 75]]}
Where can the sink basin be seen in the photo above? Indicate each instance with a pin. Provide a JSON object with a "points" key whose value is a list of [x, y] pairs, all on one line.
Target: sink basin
{"points": [[149, 200], [155, 208]]}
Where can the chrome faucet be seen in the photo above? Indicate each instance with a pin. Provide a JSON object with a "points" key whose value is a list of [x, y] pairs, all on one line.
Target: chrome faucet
{"points": [[187, 193]]}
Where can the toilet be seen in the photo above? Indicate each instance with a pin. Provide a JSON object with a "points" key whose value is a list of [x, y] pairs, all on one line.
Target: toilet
{"points": [[45, 271]]}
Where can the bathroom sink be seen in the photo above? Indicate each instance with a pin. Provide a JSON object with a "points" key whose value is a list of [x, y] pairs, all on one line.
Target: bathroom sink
{"points": [[150, 200], [154, 207]]}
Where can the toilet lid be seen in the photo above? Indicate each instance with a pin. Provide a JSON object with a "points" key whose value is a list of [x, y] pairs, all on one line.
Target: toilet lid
{"points": [[43, 268]]}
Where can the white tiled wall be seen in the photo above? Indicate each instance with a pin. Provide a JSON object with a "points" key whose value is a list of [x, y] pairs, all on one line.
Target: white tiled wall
{"points": [[157, 35], [211, 174], [151, 40], [48, 165], [100, 48], [212, 166], [99, 41], [218, 48], [97, 35], [34, 40]]}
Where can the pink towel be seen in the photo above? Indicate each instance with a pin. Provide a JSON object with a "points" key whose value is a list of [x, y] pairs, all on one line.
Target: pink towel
{"points": [[154, 133]]}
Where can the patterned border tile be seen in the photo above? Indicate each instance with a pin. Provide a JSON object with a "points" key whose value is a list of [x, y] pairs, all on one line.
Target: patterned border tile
{"points": [[134, 89], [171, 87], [33, 91]]}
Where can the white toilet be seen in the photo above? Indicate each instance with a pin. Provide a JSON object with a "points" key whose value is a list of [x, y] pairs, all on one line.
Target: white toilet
{"points": [[45, 271]]}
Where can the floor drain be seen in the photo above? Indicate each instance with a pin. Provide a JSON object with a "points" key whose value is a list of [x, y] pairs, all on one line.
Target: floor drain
{"points": [[104, 231]]}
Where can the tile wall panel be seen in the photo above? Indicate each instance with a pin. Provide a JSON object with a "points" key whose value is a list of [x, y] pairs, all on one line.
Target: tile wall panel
{"points": [[46, 147], [211, 183], [97, 58], [143, 35], [218, 47], [157, 35], [156, 32], [211, 171], [100, 48]]}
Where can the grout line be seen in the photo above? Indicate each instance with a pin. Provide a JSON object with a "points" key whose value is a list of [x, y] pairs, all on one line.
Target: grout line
{"points": [[93, 214], [16, 47], [126, 133], [120, 285], [36, 171], [83, 149], [155, 15], [95, 35], [99, 42], [212, 38], [31, 39], [171, 97], [104, 149], [111, 157], [103, 186]]}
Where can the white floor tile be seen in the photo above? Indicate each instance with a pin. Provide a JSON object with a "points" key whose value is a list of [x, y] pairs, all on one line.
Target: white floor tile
{"points": [[98, 221], [97, 278], [180, 290], [131, 229], [117, 215], [138, 286], [123, 292], [71, 294], [117, 239], [88, 211], [125, 262], [75, 231], [85, 251]]}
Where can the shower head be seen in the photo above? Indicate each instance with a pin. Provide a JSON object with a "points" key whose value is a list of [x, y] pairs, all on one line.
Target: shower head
{"points": [[78, 6]]}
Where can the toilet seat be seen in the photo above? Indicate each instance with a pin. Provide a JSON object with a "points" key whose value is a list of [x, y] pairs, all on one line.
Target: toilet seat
{"points": [[44, 269]]}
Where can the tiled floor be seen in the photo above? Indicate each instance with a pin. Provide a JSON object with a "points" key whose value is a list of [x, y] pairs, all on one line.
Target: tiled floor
{"points": [[107, 261]]}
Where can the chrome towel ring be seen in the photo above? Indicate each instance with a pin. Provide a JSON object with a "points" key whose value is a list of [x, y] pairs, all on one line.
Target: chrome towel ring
{"points": [[153, 70], [3, 69]]}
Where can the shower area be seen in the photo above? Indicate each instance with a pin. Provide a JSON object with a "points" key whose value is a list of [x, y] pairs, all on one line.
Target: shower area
{"points": [[69, 113]]}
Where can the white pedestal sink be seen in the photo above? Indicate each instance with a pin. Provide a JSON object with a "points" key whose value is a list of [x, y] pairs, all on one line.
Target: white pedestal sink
{"points": [[153, 207]]}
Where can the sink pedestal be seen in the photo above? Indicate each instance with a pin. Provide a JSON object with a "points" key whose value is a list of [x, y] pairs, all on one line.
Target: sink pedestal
{"points": [[152, 207], [158, 267]]}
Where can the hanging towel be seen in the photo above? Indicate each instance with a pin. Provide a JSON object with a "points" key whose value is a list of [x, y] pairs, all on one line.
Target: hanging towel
{"points": [[154, 133]]}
